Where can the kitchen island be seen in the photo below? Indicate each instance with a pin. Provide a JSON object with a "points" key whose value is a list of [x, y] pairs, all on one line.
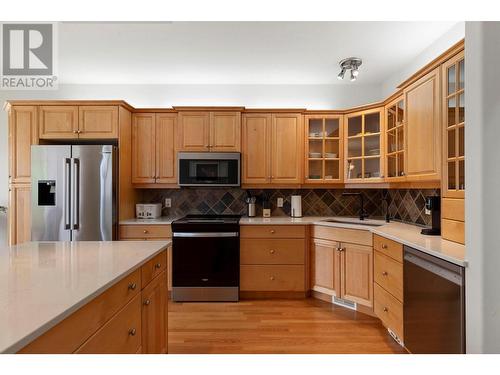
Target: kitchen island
{"points": [[65, 297]]}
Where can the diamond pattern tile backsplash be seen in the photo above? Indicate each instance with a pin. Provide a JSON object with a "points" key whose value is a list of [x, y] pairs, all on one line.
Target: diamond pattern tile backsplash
{"points": [[404, 205]]}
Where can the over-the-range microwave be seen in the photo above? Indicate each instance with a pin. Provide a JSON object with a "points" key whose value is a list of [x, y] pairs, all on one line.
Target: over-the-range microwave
{"points": [[209, 168]]}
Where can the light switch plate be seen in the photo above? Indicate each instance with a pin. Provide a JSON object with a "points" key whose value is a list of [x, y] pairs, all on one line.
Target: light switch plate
{"points": [[280, 202], [168, 202]]}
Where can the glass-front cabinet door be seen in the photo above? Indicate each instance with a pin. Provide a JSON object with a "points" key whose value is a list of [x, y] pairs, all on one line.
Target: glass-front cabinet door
{"points": [[323, 149], [395, 140], [454, 128], [364, 146]]}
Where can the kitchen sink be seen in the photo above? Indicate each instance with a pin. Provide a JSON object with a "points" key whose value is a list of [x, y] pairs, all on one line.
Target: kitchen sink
{"points": [[355, 222]]}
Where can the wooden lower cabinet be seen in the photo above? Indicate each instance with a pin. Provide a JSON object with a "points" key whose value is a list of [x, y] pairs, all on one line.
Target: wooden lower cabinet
{"points": [[120, 335], [388, 286], [272, 278], [154, 316], [357, 274], [19, 214], [118, 321], [342, 269]]}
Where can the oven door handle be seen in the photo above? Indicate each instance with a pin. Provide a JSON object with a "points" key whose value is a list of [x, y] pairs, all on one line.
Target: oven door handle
{"points": [[205, 234]]}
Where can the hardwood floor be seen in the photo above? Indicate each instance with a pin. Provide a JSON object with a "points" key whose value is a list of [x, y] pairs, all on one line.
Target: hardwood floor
{"points": [[274, 326]]}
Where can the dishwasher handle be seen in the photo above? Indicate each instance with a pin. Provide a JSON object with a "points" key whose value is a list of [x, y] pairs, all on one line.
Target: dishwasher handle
{"points": [[442, 268]]}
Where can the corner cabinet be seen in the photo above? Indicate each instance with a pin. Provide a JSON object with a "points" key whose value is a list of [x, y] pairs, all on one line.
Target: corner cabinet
{"points": [[364, 146], [323, 149], [272, 148], [395, 140], [153, 148], [210, 131], [453, 182], [423, 128]]}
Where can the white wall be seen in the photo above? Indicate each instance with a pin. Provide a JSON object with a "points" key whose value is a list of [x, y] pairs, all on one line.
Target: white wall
{"points": [[452, 36], [482, 207], [281, 96]]}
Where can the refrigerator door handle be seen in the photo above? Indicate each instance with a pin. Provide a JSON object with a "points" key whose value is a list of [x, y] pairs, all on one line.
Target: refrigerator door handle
{"points": [[67, 193], [76, 193]]}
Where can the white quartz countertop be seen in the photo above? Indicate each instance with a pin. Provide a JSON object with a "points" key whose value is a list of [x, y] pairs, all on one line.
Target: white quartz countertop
{"points": [[41, 283], [404, 233], [162, 220]]}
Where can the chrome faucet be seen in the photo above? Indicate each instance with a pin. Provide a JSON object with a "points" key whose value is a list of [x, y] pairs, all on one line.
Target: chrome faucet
{"points": [[362, 213]]}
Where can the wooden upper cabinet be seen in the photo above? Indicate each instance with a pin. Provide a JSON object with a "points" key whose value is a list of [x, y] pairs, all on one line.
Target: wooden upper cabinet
{"points": [[98, 122], [287, 148], [225, 128], [23, 132], [154, 316], [58, 122], [165, 148], [395, 170], [256, 148], [423, 130], [194, 131], [357, 275], [143, 148]]}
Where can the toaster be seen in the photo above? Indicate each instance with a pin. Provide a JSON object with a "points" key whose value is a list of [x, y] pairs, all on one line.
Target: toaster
{"points": [[148, 210]]}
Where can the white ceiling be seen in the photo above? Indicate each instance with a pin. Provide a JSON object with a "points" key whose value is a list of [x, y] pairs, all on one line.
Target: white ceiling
{"points": [[238, 52]]}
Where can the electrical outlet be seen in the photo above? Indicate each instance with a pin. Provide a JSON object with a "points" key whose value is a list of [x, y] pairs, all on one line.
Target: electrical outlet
{"points": [[280, 202], [168, 202]]}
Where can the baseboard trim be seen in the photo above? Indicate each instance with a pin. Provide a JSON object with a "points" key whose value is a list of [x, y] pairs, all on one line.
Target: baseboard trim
{"points": [[273, 295]]}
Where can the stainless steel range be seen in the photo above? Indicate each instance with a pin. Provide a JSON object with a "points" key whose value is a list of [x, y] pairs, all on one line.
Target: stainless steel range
{"points": [[206, 258]]}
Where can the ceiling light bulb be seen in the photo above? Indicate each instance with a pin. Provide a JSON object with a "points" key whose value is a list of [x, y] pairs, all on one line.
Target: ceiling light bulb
{"points": [[341, 74], [353, 77], [355, 72]]}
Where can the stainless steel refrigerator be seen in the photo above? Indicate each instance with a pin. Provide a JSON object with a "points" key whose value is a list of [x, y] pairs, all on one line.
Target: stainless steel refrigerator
{"points": [[73, 193]]}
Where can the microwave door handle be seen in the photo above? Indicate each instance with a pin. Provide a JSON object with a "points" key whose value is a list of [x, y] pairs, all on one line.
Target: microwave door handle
{"points": [[67, 193], [76, 193]]}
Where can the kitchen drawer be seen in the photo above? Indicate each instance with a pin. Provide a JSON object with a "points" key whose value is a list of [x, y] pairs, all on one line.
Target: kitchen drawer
{"points": [[389, 310], [68, 335], [355, 236], [453, 230], [453, 209], [272, 278], [389, 275], [388, 247], [272, 251], [145, 231], [120, 335], [153, 268], [273, 231]]}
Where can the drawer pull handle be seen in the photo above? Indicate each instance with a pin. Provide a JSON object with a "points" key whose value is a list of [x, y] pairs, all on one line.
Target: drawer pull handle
{"points": [[271, 278], [272, 231], [158, 265], [272, 251], [384, 273], [147, 302], [145, 231], [386, 309], [384, 246], [132, 332], [132, 286]]}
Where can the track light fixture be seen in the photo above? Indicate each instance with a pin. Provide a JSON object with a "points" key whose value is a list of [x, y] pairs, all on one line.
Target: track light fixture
{"points": [[352, 64]]}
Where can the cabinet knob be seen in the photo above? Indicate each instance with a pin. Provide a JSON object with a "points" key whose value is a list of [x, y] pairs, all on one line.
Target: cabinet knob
{"points": [[384, 246], [271, 278], [132, 332], [272, 251], [132, 286], [386, 309], [384, 273], [145, 231], [158, 265], [75, 131], [147, 302], [272, 231]]}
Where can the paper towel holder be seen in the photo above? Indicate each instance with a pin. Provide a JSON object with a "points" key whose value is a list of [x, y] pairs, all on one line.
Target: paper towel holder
{"points": [[296, 206]]}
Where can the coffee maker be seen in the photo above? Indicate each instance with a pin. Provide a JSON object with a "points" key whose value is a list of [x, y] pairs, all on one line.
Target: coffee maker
{"points": [[433, 208]]}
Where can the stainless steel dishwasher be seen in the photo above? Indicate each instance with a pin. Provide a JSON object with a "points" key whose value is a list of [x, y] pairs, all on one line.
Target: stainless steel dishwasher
{"points": [[434, 304]]}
